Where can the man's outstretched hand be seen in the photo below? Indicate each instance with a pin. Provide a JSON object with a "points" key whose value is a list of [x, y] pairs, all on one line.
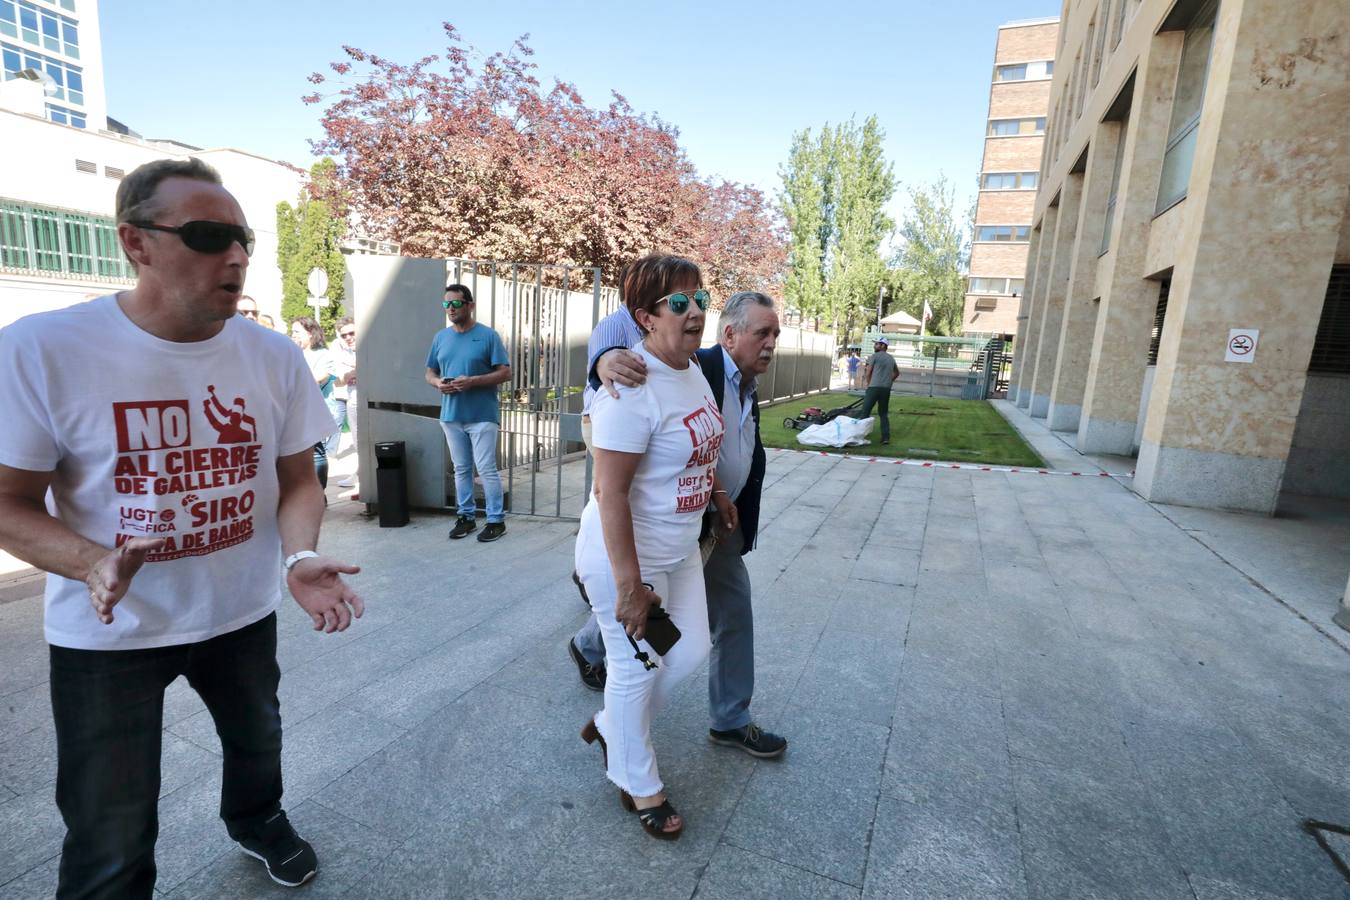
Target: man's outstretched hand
{"points": [[111, 576], [620, 366], [317, 585]]}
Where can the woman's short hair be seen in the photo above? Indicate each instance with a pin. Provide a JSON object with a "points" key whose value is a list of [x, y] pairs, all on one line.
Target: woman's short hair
{"points": [[315, 332], [644, 282]]}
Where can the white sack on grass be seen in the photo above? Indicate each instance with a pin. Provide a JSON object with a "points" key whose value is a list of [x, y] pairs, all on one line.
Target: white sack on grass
{"points": [[842, 432]]}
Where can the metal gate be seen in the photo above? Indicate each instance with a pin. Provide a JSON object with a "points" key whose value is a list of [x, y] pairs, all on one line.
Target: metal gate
{"points": [[544, 314]]}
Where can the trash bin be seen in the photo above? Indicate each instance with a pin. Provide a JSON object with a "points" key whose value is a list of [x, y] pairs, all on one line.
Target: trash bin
{"points": [[391, 480]]}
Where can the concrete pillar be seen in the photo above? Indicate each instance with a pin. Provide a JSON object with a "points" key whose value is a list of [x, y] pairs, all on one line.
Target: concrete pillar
{"points": [[1080, 306], [1342, 617], [1115, 374], [1024, 307], [1057, 288], [1267, 191], [1036, 304]]}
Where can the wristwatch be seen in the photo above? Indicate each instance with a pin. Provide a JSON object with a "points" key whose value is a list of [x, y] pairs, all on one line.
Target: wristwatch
{"points": [[296, 557]]}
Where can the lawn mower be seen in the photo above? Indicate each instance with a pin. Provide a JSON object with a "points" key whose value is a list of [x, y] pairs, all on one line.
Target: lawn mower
{"points": [[814, 415]]}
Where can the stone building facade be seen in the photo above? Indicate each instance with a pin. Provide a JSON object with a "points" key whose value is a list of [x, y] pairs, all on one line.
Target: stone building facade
{"points": [[1019, 101], [1187, 297]]}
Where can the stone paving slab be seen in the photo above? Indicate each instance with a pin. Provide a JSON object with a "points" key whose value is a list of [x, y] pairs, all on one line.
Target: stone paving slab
{"points": [[994, 685]]}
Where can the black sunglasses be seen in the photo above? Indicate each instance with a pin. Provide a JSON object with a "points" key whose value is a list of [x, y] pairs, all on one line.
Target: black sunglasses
{"points": [[207, 237], [680, 302]]}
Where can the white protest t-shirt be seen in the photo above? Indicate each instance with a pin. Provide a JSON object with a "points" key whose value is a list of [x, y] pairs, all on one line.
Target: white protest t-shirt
{"points": [[152, 438], [674, 422]]}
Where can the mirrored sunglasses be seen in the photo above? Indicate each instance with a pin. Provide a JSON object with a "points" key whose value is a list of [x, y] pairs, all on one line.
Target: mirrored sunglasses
{"points": [[207, 237], [454, 304], [679, 302]]}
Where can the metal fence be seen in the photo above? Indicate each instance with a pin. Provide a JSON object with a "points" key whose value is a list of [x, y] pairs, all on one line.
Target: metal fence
{"points": [[545, 314], [954, 367]]}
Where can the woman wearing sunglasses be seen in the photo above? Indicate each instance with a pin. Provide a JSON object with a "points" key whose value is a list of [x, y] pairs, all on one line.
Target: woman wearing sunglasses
{"points": [[655, 452]]}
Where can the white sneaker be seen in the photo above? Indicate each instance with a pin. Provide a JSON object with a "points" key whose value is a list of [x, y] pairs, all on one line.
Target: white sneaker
{"points": [[347, 482]]}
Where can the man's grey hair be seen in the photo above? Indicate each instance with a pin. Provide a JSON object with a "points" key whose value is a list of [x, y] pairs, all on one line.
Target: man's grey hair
{"points": [[136, 194], [736, 314]]}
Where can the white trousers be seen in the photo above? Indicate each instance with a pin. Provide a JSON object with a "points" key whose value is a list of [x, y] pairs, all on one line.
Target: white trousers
{"points": [[633, 693]]}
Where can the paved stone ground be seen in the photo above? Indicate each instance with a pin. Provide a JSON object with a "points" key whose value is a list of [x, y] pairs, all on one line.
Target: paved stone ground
{"points": [[994, 685]]}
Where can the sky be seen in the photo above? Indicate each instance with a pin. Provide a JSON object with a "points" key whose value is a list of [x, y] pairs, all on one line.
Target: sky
{"points": [[737, 78]]}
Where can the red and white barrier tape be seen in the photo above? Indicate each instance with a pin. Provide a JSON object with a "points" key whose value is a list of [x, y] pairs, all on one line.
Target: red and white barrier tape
{"points": [[973, 467]]}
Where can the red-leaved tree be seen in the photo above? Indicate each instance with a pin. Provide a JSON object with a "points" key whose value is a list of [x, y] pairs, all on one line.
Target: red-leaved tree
{"points": [[453, 159]]}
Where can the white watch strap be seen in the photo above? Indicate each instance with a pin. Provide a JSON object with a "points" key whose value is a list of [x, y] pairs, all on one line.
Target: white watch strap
{"points": [[296, 557]]}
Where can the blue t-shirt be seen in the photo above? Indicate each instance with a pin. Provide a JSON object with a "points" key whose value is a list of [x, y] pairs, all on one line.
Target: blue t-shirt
{"points": [[477, 351]]}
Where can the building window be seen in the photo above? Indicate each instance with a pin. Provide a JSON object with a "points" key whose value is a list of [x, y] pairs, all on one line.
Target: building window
{"points": [[1331, 348], [1104, 16], [1002, 233], [1115, 184], [1024, 71], [1159, 316], [1009, 181], [25, 21], [1013, 127], [69, 79], [63, 116], [1119, 30], [1187, 103], [39, 239], [1003, 286], [985, 304]]}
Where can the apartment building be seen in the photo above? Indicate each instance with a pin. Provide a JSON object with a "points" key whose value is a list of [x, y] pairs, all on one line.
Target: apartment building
{"points": [[1019, 102], [1187, 297]]}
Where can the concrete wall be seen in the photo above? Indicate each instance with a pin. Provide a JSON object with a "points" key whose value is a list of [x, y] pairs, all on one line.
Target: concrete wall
{"points": [[1319, 459]]}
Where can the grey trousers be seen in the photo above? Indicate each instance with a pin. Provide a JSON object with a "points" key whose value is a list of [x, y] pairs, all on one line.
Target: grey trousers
{"points": [[731, 665]]}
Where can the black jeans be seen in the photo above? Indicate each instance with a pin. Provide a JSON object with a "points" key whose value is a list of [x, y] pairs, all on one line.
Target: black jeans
{"points": [[879, 397], [109, 711]]}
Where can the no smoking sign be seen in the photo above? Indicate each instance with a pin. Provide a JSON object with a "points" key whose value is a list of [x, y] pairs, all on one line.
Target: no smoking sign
{"points": [[1241, 345]]}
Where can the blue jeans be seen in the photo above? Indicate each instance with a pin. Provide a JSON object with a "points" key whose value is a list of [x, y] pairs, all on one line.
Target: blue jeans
{"points": [[338, 410], [473, 445], [731, 666], [108, 706]]}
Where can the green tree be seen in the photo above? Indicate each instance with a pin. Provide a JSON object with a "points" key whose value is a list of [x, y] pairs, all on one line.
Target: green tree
{"points": [[835, 189], [932, 259], [309, 236]]}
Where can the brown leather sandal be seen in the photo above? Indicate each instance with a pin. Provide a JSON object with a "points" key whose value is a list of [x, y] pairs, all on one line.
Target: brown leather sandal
{"points": [[590, 734], [653, 819]]}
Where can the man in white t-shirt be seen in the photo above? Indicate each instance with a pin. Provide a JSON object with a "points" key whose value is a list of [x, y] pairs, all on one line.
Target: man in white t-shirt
{"points": [[160, 489]]}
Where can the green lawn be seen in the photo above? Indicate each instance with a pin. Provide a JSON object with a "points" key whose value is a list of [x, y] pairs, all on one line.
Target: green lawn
{"points": [[921, 428]]}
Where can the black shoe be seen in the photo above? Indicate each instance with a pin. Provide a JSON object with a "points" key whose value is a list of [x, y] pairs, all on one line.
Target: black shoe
{"points": [[492, 531], [750, 739], [464, 526], [591, 676], [289, 858]]}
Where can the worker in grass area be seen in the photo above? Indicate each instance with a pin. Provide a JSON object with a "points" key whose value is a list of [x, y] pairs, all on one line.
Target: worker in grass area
{"points": [[879, 373]]}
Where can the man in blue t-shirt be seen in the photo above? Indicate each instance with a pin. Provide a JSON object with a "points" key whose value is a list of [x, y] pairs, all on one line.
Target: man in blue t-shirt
{"points": [[466, 363]]}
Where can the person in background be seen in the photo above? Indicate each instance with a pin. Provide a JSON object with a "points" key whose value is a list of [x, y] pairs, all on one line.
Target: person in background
{"points": [[345, 355], [266, 321], [466, 363], [308, 336], [248, 308], [880, 373]]}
